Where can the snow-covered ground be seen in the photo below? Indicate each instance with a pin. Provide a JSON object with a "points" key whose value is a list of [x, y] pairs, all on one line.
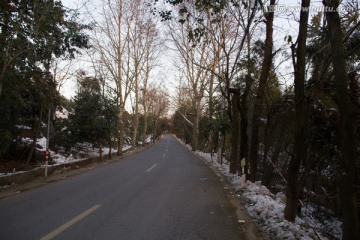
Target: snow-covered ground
{"points": [[86, 151], [267, 209]]}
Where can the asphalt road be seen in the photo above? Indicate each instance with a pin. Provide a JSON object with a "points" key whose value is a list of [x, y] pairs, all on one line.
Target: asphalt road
{"points": [[161, 193]]}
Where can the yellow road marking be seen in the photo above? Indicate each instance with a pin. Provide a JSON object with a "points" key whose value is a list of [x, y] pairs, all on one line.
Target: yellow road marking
{"points": [[152, 167], [69, 223]]}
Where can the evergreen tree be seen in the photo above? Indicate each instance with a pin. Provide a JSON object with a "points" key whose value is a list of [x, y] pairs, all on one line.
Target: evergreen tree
{"points": [[32, 34], [87, 119]]}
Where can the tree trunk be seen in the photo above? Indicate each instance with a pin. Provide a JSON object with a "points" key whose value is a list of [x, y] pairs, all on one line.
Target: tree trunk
{"points": [[145, 127], [36, 133], [145, 118], [137, 60], [154, 131], [244, 108], [147, 76], [244, 125], [121, 131], [210, 146], [268, 166], [100, 153], [110, 148], [235, 136], [260, 96], [292, 189], [119, 83], [347, 131], [136, 120], [195, 141], [6, 13]]}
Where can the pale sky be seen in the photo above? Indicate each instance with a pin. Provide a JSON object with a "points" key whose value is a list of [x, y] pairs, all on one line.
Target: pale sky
{"points": [[284, 25]]}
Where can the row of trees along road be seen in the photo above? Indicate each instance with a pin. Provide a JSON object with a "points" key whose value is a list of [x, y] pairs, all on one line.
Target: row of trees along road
{"points": [[127, 42], [230, 99], [121, 41]]}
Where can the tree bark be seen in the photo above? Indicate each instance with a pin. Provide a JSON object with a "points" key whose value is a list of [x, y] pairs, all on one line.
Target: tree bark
{"points": [[110, 148], [119, 83], [121, 131], [216, 48], [36, 133], [195, 140], [147, 75], [260, 96], [137, 60], [347, 142], [136, 120], [154, 131], [244, 107], [145, 117], [145, 120], [269, 166], [100, 153], [235, 133], [292, 189]]}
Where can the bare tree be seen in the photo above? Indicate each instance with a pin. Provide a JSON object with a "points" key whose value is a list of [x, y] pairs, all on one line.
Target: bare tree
{"points": [[145, 40], [292, 189], [195, 61], [223, 29], [126, 40], [153, 50], [114, 40], [260, 96], [229, 29], [157, 104]]}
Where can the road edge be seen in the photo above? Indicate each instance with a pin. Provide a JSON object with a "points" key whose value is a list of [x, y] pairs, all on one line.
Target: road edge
{"points": [[246, 223]]}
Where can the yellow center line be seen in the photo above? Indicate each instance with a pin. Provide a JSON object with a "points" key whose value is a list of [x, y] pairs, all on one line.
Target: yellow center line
{"points": [[152, 167], [69, 223]]}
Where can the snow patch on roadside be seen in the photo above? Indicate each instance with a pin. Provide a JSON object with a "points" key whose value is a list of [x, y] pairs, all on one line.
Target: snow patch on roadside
{"points": [[86, 150]]}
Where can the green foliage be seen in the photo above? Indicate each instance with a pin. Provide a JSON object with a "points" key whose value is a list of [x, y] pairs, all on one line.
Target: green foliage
{"points": [[85, 120], [32, 34], [94, 116], [109, 118], [217, 9]]}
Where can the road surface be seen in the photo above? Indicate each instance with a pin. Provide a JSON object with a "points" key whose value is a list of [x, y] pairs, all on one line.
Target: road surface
{"points": [[161, 193]]}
